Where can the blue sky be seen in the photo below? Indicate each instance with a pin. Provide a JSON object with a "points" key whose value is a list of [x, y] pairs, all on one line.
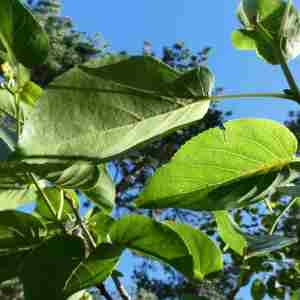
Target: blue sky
{"points": [[126, 24]]}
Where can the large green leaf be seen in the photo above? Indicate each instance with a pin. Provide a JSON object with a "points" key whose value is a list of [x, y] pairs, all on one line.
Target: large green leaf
{"points": [[21, 34], [224, 169], [95, 269], [207, 257], [245, 244], [117, 107], [46, 269], [271, 27], [177, 245]]}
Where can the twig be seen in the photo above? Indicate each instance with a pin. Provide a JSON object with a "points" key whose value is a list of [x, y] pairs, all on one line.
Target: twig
{"points": [[46, 200], [121, 289], [104, 292], [282, 214], [84, 229]]}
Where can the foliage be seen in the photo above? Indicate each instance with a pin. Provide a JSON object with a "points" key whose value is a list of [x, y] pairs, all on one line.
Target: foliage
{"points": [[66, 134]]}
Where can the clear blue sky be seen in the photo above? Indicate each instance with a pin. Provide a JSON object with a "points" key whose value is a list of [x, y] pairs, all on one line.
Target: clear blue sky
{"points": [[126, 24]]}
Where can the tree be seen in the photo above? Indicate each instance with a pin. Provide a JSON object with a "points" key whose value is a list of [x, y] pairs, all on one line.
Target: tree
{"points": [[69, 47]]}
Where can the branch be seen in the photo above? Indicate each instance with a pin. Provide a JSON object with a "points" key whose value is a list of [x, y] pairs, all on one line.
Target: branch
{"points": [[104, 292], [121, 289], [46, 200], [282, 214]]}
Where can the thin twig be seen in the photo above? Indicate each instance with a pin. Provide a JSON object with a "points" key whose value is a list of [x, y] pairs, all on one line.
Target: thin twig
{"points": [[103, 291], [282, 214], [46, 200], [121, 289], [84, 229]]}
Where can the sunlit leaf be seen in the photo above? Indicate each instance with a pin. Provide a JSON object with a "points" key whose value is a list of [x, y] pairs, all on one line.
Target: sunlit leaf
{"points": [[180, 246], [224, 169]]}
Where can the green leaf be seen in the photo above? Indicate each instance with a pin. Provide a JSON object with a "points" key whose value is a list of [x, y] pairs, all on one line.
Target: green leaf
{"points": [[103, 194], [94, 270], [174, 245], [92, 180], [30, 93], [56, 198], [220, 169], [13, 198], [8, 105], [139, 109], [47, 268], [229, 234], [21, 34], [80, 175], [207, 257], [243, 39], [19, 231], [258, 290], [245, 244], [100, 225], [271, 27]]}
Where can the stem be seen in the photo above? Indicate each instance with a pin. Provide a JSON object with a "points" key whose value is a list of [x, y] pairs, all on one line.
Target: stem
{"points": [[289, 76], [18, 110], [282, 214], [279, 55], [269, 206], [45, 197], [250, 95], [121, 289], [84, 229], [104, 292]]}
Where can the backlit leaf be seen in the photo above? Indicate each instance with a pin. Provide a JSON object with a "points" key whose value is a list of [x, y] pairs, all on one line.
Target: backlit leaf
{"points": [[224, 169]]}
